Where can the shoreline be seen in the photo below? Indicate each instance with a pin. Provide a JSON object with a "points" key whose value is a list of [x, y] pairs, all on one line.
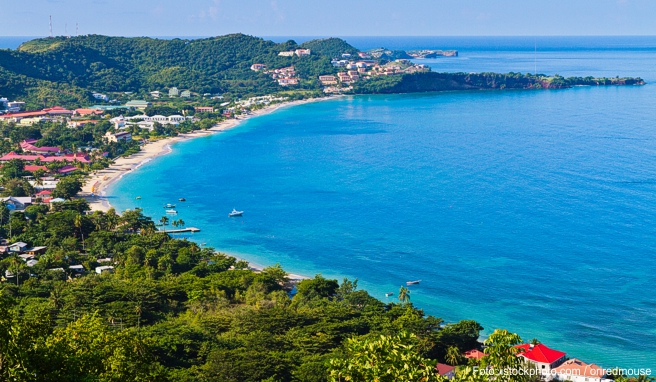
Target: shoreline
{"points": [[95, 188]]}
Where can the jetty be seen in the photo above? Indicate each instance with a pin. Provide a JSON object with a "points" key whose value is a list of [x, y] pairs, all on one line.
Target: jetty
{"points": [[181, 230]]}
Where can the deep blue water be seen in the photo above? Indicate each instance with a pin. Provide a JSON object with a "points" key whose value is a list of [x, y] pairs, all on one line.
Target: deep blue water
{"points": [[533, 211]]}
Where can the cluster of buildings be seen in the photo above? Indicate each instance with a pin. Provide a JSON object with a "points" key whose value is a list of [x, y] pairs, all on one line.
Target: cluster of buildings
{"points": [[31, 255], [147, 122], [11, 106], [49, 114], [553, 364], [175, 92], [284, 76], [297, 52]]}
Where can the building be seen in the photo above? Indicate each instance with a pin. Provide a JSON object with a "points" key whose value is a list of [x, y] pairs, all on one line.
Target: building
{"points": [[328, 80], [344, 77], [346, 55], [16, 203], [287, 54], [186, 94], [125, 136], [575, 370], [88, 112], [28, 146], [174, 92], [473, 354], [543, 357], [31, 121], [155, 94], [445, 370], [204, 109], [76, 124], [258, 67], [302, 52], [104, 268], [138, 104], [100, 97], [15, 106], [287, 81], [58, 111]]}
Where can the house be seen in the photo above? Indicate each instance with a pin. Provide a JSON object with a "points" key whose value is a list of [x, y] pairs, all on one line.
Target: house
{"points": [[15, 106], [31, 263], [26, 257], [36, 251], [104, 268], [155, 94], [346, 55], [138, 104], [43, 194], [543, 357], [77, 268], [100, 97], [473, 354], [31, 121], [58, 111], [445, 370], [105, 260], [76, 124], [28, 146], [185, 94], [328, 80], [67, 170], [125, 136], [88, 112], [364, 55], [47, 183], [17, 203], [287, 81], [17, 247], [578, 371], [118, 122], [302, 52], [174, 92], [286, 54], [258, 67], [204, 109]]}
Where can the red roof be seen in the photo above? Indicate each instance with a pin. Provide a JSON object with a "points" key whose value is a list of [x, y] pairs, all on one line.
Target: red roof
{"points": [[43, 193], [474, 353], [88, 111], [32, 168], [25, 114], [57, 110], [443, 369], [67, 169], [30, 158], [539, 353], [27, 145]]}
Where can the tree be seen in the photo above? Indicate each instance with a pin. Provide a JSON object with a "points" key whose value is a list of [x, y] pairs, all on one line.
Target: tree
{"points": [[404, 294], [453, 356], [67, 188], [17, 187], [383, 359], [501, 357]]}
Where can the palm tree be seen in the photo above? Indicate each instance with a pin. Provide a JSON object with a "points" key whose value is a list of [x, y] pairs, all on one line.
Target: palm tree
{"points": [[78, 225], [534, 341], [404, 294], [181, 223], [453, 356], [164, 220], [175, 223]]}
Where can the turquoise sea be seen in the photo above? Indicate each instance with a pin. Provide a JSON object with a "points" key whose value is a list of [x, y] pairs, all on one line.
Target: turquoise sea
{"points": [[533, 211]]}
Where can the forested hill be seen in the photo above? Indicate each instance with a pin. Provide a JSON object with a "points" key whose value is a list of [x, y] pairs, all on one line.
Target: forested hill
{"points": [[82, 64]]}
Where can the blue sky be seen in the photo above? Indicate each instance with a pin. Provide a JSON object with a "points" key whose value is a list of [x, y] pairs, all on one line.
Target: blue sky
{"points": [[330, 17]]}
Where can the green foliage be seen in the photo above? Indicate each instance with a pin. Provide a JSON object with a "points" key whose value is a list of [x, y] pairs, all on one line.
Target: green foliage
{"points": [[67, 187], [330, 47]]}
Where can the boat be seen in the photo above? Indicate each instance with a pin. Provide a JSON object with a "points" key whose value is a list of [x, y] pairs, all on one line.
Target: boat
{"points": [[415, 282], [169, 205], [235, 213], [138, 197], [171, 211], [182, 199], [388, 294]]}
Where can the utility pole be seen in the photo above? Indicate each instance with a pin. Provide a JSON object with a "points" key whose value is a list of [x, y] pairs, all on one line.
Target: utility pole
{"points": [[51, 26], [66, 30]]}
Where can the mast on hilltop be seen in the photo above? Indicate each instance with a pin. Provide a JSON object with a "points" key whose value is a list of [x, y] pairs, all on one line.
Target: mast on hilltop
{"points": [[51, 26]]}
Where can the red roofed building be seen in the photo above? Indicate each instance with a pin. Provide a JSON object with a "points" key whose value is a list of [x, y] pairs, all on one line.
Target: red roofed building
{"points": [[30, 158], [18, 116], [67, 169], [473, 354], [578, 371], [32, 168], [543, 357], [57, 110], [43, 193], [88, 112], [28, 145], [445, 370]]}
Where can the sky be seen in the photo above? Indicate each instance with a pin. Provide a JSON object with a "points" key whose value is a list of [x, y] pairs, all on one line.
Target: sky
{"points": [[330, 17]]}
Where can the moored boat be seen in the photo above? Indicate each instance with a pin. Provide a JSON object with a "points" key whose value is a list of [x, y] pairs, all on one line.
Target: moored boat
{"points": [[415, 282], [169, 205], [182, 199], [235, 213], [171, 211], [388, 294]]}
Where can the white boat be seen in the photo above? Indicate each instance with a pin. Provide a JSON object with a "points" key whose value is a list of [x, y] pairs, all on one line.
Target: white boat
{"points": [[388, 294], [235, 213], [412, 282], [169, 205], [171, 211]]}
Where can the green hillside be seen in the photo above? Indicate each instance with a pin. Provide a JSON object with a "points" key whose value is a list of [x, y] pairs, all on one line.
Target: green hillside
{"points": [[117, 64], [331, 47]]}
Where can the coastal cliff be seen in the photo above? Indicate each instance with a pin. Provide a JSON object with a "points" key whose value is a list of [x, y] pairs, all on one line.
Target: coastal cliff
{"points": [[431, 81]]}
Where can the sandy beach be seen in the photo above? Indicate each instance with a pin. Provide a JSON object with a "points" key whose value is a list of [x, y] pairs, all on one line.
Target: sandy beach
{"points": [[95, 188]]}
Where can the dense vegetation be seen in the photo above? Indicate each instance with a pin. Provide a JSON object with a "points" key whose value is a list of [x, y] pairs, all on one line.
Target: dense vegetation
{"points": [[431, 81], [330, 47], [66, 70]]}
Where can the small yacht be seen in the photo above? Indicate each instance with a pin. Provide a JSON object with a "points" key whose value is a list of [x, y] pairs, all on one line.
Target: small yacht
{"points": [[138, 197], [235, 213], [182, 199], [169, 205], [389, 294], [171, 212], [415, 282]]}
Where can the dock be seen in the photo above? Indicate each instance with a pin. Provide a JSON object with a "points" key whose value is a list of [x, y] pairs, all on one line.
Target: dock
{"points": [[181, 230]]}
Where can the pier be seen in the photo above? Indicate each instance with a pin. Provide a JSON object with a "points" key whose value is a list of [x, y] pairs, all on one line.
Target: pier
{"points": [[181, 230]]}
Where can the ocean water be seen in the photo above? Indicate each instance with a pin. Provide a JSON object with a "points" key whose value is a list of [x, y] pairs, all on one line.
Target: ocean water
{"points": [[533, 211]]}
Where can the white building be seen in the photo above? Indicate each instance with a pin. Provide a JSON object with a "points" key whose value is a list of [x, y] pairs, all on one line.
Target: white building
{"points": [[104, 268], [100, 97], [186, 94], [542, 357], [174, 92], [287, 54], [302, 52], [578, 371]]}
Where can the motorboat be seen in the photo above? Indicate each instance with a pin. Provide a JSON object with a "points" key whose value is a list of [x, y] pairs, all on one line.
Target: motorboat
{"points": [[169, 205], [415, 282], [389, 294], [182, 199], [138, 198], [235, 213], [174, 212]]}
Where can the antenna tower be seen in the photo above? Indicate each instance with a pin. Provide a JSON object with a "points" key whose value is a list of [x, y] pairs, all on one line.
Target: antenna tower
{"points": [[76, 30], [66, 30], [50, 26]]}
